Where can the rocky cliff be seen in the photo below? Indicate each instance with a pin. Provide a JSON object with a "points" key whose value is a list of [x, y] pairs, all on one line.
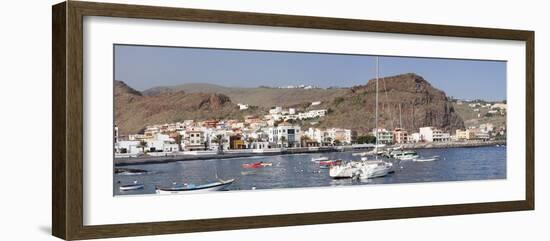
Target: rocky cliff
{"points": [[407, 101]]}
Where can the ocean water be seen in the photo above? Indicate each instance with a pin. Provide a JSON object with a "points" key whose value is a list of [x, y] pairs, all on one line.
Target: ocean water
{"points": [[297, 170]]}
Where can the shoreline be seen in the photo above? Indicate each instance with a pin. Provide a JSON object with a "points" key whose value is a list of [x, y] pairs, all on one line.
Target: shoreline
{"points": [[118, 162]]}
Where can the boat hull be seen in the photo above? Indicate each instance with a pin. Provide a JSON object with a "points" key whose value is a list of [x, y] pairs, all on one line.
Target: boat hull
{"points": [[216, 186], [344, 170], [131, 187]]}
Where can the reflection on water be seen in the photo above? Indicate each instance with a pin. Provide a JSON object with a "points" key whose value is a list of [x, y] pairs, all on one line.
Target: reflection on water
{"points": [[291, 171]]}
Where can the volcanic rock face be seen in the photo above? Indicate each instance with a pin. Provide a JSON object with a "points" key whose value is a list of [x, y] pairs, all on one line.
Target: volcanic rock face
{"points": [[406, 101], [133, 111]]}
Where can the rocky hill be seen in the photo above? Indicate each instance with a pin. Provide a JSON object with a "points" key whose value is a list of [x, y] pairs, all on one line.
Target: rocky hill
{"points": [[406, 100], [133, 110]]}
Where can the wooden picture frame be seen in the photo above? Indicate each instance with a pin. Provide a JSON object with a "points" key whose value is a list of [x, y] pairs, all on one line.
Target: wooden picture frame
{"points": [[67, 100]]}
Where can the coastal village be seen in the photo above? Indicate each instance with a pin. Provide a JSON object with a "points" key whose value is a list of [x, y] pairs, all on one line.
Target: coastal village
{"points": [[283, 129]]}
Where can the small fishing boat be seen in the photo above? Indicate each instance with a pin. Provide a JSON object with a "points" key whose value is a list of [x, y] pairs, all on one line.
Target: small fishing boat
{"points": [[257, 165], [130, 187], [319, 159], [428, 159], [405, 155], [129, 171], [192, 188]]}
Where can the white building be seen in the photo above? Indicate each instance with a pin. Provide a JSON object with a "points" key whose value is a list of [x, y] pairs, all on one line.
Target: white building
{"points": [[171, 147], [116, 134], [242, 106], [329, 136], [193, 139], [500, 106], [128, 147], [431, 134], [276, 110], [339, 134], [383, 136], [315, 134], [259, 145], [285, 135], [312, 114], [162, 143], [213, 142], [488, 127], [415, 137]]}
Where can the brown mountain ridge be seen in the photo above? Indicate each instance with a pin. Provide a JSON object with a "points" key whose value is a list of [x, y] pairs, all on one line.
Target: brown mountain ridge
{"points": [[406, 100]]}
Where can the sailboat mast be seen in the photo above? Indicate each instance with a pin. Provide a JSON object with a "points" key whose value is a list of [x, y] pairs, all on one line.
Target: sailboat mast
{"points": [[376, 112]]}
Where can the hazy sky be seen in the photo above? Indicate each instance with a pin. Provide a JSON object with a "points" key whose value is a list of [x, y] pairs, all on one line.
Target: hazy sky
{"points": [[143, 67]]}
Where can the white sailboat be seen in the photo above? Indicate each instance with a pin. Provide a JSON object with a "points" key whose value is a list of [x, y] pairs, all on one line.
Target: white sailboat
{"points": [[373, 169], [345, 170], [364, 169]]}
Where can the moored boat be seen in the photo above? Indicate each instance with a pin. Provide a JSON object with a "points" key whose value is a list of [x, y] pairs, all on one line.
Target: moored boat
{"points": [[192, 188], [405, 155], [319, 159], [257, 165], [373, 169], [130, 187], [329, 163], [129, 171], [344, 169], [428, 159]]}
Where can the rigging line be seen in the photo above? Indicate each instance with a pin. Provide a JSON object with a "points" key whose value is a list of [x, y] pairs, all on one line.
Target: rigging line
{"points": [[400, 123], [387, 103]]}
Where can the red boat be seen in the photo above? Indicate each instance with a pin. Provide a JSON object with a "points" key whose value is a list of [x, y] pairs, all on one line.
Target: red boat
{"points": [[327, 164], [256, 165]]}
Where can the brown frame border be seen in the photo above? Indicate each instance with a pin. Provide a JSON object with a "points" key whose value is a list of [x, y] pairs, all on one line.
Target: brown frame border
{"points": [[67, 121]]}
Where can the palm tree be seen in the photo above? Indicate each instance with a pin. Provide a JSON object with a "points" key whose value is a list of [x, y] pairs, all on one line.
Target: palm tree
{"points": [[178, 139], [328, 139], [142, 145], [250, 140], [219, 140], [305, 140], [283, 141]]}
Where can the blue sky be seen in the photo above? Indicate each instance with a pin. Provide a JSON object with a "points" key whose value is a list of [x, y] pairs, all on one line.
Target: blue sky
{"points": [[143, 67]]}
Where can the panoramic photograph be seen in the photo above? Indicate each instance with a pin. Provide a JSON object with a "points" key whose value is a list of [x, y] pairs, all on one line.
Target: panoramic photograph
{"points": [[198, 120]]}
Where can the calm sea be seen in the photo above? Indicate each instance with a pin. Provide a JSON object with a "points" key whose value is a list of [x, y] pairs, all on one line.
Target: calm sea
{"points": [[291, 171]]}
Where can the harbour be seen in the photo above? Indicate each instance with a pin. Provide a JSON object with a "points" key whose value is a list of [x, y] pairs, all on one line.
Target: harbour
{"points": [[352, 138], [299, 171], [180, 156]]}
